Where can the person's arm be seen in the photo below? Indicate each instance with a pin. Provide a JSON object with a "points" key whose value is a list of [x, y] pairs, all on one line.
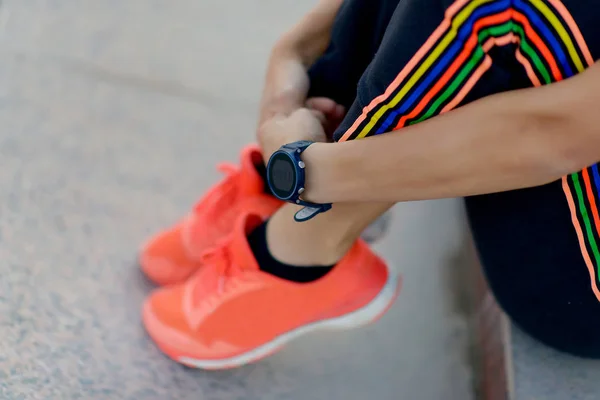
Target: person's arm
{"points": [[287, 82], [310, 37], [507, 141]]}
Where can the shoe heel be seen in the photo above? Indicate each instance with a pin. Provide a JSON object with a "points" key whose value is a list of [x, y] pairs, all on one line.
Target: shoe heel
{"points": [[372, 311]]}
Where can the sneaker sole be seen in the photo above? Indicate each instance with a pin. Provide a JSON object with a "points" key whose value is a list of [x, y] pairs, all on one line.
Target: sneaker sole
{"points": [[363, 316]]}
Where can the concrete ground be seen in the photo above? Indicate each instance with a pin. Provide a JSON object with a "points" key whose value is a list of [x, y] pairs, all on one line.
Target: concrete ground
{"points": [[543, 373], [113, 115]]}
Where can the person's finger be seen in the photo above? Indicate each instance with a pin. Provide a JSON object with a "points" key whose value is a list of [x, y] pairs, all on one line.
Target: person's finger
{"points": [[325, 105], [334, 119], [334, 113], [339, 112], [308, 114], [320, 116]]}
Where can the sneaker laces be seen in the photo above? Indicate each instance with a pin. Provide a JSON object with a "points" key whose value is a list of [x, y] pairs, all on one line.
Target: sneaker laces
{"points": [[220, 260]]}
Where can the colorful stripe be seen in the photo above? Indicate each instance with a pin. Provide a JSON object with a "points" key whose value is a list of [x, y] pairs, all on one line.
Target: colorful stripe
{"points": [[455, 57]]}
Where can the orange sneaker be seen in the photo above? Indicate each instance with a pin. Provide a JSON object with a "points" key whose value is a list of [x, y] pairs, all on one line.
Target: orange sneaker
{"points": [[232, 313], [175, 254]]}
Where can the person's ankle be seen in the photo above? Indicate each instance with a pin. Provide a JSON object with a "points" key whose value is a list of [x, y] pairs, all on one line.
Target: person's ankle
{"points": [[298, 243], [303, 253], [271, 265]]}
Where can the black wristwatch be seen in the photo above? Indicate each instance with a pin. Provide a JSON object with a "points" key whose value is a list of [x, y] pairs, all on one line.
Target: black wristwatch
{"points": [[286, 177]]}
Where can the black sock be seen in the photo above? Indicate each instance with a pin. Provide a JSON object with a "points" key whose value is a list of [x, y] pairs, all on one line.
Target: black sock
{"points": [[258, 243]]}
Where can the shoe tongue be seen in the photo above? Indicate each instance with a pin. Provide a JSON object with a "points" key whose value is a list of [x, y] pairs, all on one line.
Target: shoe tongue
{"points": [[239, 246], [252, 182]]}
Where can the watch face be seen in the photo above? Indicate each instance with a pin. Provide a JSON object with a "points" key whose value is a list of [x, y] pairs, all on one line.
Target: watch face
{"points": [[282, 175]]}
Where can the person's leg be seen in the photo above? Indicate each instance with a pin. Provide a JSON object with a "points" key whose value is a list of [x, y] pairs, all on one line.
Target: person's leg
{"points": [[539, 246], [329, 236]]}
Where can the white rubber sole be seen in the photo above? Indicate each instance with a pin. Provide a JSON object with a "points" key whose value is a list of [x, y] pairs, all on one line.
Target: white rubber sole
{"points": [[363, 316]]}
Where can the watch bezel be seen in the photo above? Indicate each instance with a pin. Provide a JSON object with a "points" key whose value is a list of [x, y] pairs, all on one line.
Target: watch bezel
{"points": [[292, 194]]}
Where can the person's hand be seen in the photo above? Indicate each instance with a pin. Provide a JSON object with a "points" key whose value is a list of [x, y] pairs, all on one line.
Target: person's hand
{"points": [[302, 124], [284, 97]]}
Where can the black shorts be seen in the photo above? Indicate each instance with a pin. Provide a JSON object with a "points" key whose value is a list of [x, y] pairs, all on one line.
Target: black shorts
{"points": [[396, 63]]}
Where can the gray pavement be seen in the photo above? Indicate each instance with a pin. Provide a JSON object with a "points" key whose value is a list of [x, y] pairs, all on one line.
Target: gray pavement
{"points": [[112, 116], [543, 373]]}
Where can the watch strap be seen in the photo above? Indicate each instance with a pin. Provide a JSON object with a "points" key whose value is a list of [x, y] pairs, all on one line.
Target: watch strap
{"points": [[309, 210], [298, 146]]}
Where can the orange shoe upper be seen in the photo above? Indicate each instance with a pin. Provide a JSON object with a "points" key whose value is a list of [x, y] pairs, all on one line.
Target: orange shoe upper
{"points": [[233, 307], [175, 254]]}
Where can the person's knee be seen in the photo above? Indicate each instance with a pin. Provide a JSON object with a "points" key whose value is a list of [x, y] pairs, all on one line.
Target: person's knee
{"points": [[567, 326]]}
